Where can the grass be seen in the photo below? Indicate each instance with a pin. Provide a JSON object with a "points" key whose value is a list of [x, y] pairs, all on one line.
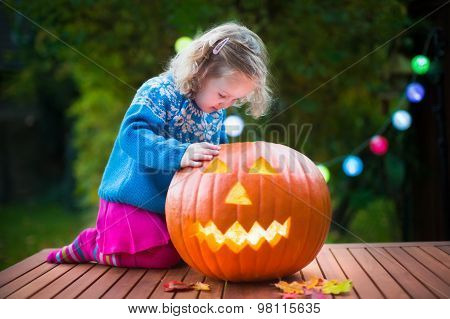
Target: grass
{"points": [[29, 227]]}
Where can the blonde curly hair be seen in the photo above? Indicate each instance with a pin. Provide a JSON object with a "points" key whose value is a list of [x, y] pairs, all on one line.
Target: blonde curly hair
{"points": [[244, 52]]}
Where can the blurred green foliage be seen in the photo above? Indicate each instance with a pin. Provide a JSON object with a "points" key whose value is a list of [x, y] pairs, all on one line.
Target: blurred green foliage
{"points": [[322, 70], [35, 226]]}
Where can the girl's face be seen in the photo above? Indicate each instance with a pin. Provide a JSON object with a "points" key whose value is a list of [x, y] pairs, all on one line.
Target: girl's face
{"points": [[220, 93]]}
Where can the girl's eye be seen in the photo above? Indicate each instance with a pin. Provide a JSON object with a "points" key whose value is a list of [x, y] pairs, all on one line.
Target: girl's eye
{"points": [[222, 96]]}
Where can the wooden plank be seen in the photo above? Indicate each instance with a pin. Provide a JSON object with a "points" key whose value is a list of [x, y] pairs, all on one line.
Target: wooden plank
{"points": [[426, 277], [423, 273], [394, 244], [266, 289], [361, 282], [176, 273], [26, 278], [382, 279], [429, 262], [258, 289], [122, 287], [332, 270], [251, 290], [62, 282], [41, 282], [144, 288], [216, 286], [101, 286], [445, 249], [83, 282], [312, 270], [22, 267], [192, 276], [407, 281], [438, 254]]}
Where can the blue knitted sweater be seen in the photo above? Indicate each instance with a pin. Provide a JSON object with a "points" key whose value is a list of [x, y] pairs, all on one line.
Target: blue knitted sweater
{"points": [[157, 128]]}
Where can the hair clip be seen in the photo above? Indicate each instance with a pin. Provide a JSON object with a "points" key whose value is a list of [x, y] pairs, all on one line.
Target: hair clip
{"points": [[220, 45]]}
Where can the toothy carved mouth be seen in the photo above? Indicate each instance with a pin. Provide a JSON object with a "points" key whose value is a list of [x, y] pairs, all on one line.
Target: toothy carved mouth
{"points": [[236, 237]]}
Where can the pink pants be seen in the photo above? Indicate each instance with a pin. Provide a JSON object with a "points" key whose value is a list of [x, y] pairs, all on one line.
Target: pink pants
{"points": [[124, 236]]}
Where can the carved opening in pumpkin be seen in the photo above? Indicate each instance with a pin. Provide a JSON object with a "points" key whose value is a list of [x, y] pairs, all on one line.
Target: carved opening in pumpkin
{"points": [[217, 166], [238, 195], [236, 237], [261, 166]]}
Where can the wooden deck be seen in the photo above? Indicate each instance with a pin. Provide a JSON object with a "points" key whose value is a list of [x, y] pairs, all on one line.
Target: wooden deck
{"points": [[385, 270]]}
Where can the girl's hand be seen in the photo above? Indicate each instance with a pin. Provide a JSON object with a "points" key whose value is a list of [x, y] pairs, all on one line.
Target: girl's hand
{"points": [[196, 153]]}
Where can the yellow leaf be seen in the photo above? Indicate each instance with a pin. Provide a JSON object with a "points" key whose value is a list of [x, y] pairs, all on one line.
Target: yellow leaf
{"points": [[201, 286]]}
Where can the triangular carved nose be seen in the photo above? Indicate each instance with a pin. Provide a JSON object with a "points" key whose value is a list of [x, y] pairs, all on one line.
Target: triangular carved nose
{"points": [[238, 195]]}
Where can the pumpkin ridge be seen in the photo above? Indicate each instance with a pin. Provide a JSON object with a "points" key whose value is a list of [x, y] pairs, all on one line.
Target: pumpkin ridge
{"points": [[204, 259], [180, 225]]}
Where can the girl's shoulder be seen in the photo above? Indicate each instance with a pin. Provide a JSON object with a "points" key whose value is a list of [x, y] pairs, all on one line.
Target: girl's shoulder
{"points": [[160, 88], [160, 84]]}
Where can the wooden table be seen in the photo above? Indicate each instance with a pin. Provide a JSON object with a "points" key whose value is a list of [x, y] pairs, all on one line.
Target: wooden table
{"points": [[384, 270]]}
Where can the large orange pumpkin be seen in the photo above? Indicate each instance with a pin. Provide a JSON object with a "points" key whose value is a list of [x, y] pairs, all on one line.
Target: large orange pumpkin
{"points": [[256, 211]]}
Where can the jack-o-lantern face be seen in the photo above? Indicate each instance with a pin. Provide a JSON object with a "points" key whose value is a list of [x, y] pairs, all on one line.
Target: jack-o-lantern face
{"points": [[256, 211]]}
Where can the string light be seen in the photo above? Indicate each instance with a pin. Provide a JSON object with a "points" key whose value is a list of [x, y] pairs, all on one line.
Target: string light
{"points": [[325, 172], [352, 166], [401, 120], [379, 145], [234, 125], [182, 43], [415, 92], [420, 64]]}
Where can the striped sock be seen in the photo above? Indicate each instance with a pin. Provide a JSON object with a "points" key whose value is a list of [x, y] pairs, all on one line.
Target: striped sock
{"points": [[79, 251], [110, 259]]}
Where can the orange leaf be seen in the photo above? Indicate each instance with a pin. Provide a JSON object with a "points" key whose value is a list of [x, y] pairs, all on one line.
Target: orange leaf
{"points": [[313, 282], [293, 287]]}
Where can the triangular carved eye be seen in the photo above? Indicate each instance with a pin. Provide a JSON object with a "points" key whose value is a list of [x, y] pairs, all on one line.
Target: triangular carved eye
{"points": [[261, 166], [217, 166], [238, 195]]}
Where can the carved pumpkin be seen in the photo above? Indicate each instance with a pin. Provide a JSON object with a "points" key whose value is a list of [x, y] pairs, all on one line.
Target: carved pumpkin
{"points": [[256, 211]]}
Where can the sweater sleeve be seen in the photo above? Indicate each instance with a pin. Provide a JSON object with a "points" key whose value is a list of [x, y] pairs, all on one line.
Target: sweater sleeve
{"points": [[141, 134], [223, 133]]}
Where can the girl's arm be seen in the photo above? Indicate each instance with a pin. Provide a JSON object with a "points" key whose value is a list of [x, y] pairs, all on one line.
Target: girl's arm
{"points": [[141, 133]]}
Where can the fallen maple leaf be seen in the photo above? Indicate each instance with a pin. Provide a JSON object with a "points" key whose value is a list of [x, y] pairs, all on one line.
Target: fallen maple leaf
{"points": [[336, 287], [175, 285], [201, 286], [293, 287], [313, 282]]}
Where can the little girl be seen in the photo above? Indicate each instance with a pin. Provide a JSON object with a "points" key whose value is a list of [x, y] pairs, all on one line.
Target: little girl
{"points": [[175, 120]]}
